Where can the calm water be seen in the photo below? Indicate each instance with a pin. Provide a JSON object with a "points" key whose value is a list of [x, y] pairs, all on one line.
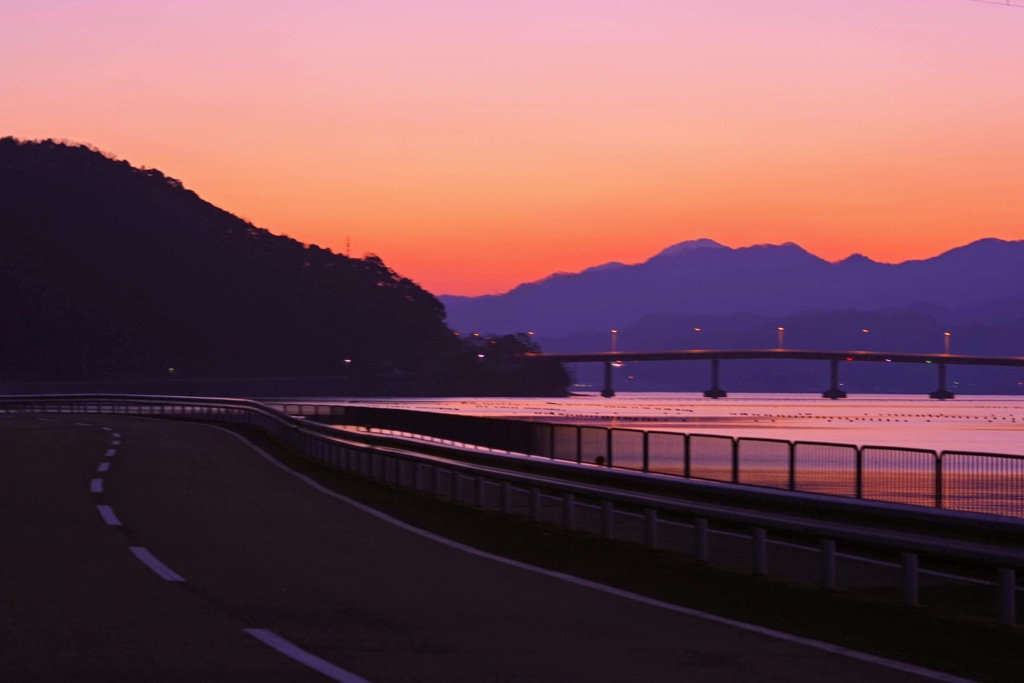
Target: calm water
{"points": [[976, 423]]}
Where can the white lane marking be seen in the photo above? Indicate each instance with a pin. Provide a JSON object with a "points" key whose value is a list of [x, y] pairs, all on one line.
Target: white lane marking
{"points": [[116, 435], [96, 486], [115, 442], [107, 429], [104, 466], [111, 452], [85, 424], [107, 513], [292, 650], [611, 590], [161, 569]]}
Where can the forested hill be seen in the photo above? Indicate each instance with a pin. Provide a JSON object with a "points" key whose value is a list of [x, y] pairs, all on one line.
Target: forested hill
{"points": [[110, 271]]}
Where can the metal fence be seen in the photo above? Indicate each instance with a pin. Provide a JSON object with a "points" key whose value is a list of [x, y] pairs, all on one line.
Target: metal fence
{"points": [[754, 461], [985, 483]]}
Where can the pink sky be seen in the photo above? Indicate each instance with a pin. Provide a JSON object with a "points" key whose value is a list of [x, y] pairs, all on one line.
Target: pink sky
{"points": [[475, 145]]}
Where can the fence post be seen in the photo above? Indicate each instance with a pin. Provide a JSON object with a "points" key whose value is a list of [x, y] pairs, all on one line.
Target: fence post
{"points": [[735, 461], [828, 565], [569, 512], [607, 520], [553, 429], [700, 539], [792, 466], [506, 497], [911, 582], [686, 456], [651, 528], [534, 504], [1007, 583], [437, 481], [454, 493], [759, 538], [579, 444], [860, 472], [478, 492], [938, 480]]}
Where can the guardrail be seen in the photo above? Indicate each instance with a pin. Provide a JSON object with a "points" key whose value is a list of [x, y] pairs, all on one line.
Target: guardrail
{"points": [[438, 470], [984, 483]]}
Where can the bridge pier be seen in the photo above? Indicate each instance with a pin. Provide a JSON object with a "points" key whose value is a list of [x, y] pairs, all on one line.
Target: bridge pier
{"points": [[715, 391], [942, 393], [834, 391], [609, 389]]}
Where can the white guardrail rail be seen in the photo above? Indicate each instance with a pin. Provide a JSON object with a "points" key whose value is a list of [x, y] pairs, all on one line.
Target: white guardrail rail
{"points": [[470, 476]]}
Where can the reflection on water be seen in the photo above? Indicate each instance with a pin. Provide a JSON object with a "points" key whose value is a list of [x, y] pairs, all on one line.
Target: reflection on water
{"points": [[993, 424]]}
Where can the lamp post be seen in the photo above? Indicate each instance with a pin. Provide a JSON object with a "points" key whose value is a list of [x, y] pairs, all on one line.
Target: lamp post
{"points": [[782, 330], [615, 334], [946, 334]]}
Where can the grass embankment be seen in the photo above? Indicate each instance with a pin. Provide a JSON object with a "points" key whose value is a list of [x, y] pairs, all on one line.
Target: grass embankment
{"points": [[953, 631]]}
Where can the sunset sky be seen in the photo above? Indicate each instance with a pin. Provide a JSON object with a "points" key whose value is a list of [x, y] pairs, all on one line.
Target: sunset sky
{"points": [[475, 145]]}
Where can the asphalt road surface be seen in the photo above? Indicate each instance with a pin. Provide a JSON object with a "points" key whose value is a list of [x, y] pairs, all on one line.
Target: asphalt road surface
{"points": [[145, 550]]}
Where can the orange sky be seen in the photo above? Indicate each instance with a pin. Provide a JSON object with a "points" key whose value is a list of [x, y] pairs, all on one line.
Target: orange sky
{"points": [[474, 147]]}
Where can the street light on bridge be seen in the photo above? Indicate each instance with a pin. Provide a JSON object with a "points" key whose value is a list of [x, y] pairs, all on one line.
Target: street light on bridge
{"points": [[615, 336], [947, 342], [781, 332]]}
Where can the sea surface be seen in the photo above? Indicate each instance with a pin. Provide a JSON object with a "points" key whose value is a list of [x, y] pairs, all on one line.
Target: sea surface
{"points": [[990, 424]]}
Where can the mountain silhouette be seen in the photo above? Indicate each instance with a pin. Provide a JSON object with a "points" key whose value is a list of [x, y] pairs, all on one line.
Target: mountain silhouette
{"points": [[702, 277], [110, 272]]}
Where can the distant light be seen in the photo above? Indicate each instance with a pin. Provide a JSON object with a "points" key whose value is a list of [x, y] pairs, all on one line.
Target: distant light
{"points": [[928, 362], [696, 329], [781, 329], [348, 360], [479, 355], [530, 333], [849, 358], [170, 370], [865, 331], [946, 333]]}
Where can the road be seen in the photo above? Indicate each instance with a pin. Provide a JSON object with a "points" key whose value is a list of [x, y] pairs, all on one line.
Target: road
{"points": [[138, 549]]}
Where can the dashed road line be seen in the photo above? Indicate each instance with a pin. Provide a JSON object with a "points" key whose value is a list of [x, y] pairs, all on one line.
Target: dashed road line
{"points": [[111, 452], [104, 466], [96, 486], [107, 513], [115, 442], [161, 569], [292, 650]]}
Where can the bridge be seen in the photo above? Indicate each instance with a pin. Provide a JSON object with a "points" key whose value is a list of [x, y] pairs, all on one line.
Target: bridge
{"points": [[939, 360]]}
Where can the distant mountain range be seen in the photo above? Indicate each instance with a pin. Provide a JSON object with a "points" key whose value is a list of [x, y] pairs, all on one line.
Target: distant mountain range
{"points": [[700, 294], [702, 277]]}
